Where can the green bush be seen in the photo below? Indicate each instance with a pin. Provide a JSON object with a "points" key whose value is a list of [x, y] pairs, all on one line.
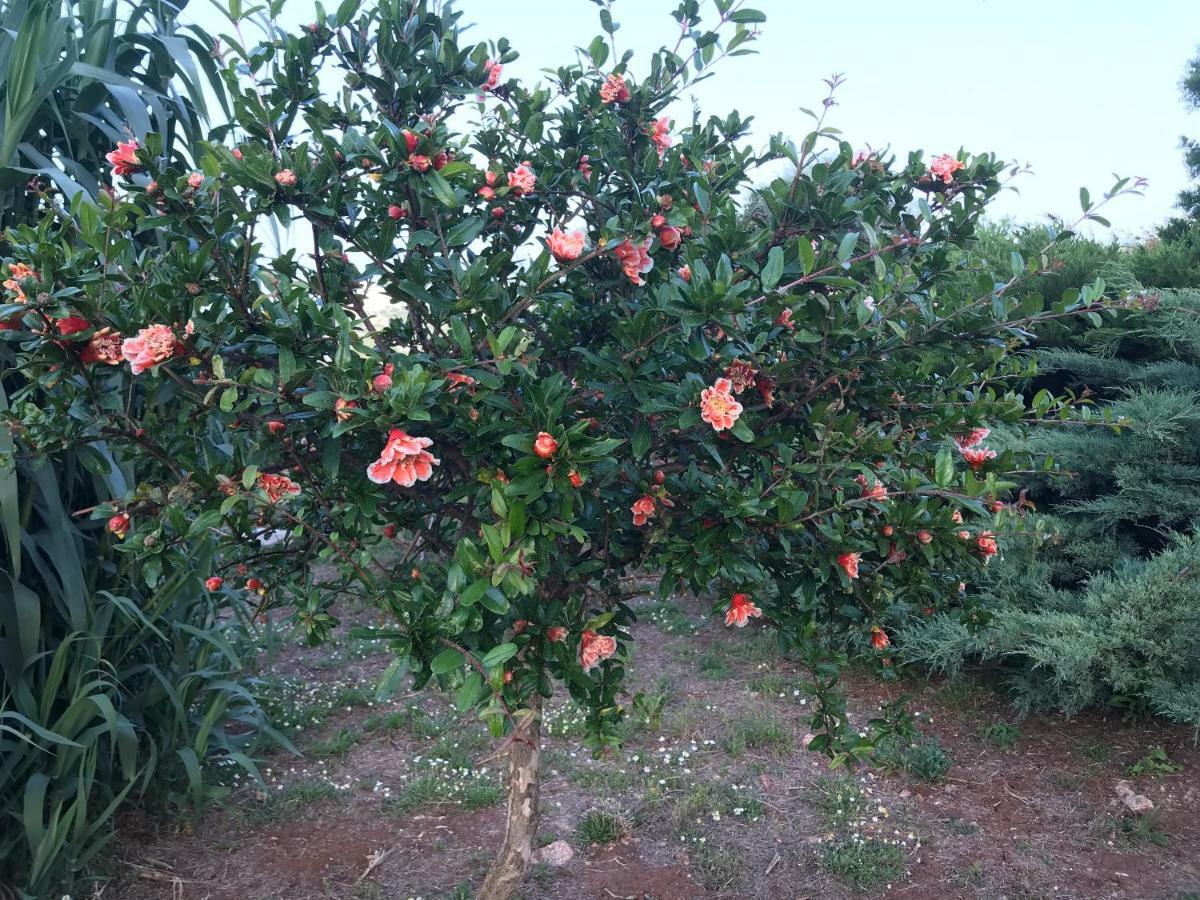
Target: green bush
{"points": [[107, 696], [1126, 638]]}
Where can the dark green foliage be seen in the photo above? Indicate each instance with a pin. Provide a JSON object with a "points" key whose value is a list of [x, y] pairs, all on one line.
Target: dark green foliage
{"points": [[1098, 602]]}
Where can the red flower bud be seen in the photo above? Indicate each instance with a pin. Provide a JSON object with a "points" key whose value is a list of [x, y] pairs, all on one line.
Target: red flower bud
{"points": [[575, 478], [214, 583], [545, 446], [396, 212], [389, 530]]}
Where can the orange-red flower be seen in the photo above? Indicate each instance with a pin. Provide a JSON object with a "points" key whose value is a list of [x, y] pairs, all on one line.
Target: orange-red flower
{"points": [[491, 72], [879, 638], [277, 486], [195, 180], [766, 389], [124, 158], [214, 583], [556, 633], [275, 426], [595, 647], [849, 563], [522, 180], [643, 509], [118, 525], [575, 478], [685, 272], [566, 246], [670, 237], [256, 586], [986, 542], [977, 456], [718, 407], [341, 409], [152, 346], [403, 460], [634, 259], [69, 325], [873, 490], [924, 537], [956, 517], [410, 140], [945, 166], [103, 347], [741, 375], [976, 437], [544, 445], [741, 610], [614, 89], [458, 381], [420, 162], [784, 320], [659, 136], [584, 167], [285, 178]]}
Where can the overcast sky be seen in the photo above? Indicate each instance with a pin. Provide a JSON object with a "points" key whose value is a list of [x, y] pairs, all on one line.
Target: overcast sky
{"points": [[1077, 89]]}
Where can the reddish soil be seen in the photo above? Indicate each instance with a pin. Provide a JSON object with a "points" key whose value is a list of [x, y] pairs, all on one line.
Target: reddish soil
{"points": [[1036, 820]]}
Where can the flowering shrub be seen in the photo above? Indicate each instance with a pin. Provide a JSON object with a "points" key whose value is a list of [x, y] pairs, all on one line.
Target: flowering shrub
{"points": [[775, 389]]}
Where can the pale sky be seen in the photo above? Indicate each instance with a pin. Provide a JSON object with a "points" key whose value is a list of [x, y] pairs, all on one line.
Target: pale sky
{"points": [[1077, 89]]}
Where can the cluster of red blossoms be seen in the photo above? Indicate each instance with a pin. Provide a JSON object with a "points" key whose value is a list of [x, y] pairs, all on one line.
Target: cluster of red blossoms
{"points": [[972, 452]]}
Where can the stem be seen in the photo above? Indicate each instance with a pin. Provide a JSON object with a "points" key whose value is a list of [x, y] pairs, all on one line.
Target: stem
{"points": [[512, 863]]}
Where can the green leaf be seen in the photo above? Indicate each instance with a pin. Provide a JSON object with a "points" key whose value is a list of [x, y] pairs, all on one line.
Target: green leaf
{"points": [[773, 270], [498, 656], [470, 596], [641, 440], [465, 231], [943, 468], [846, 247], [446, 661], [441, 189]]}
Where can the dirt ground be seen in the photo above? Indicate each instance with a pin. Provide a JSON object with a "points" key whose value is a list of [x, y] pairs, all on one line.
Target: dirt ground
{"points": [[717, 798]]}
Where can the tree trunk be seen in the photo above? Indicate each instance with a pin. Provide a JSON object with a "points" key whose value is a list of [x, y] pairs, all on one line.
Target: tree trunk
{"points": [[512, 863]]}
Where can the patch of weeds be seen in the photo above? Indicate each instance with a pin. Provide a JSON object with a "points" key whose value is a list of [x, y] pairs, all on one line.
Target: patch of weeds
{"points": [[865, 864], [925, 760], [336, 745], [1068, 781], [1143, 830], [958, 826], [757, 732], [971, 875], [770, 684], [293, 797], [1096, 752], [1002, 735], [602, 825], [566, 720], [423, 725], [958, 694], [649, 707], [842, 801], [1154, 762], [718, 867], [442, 783], [669, 618], [716, 803], [392, 721], [713, 664], [602, 778]]}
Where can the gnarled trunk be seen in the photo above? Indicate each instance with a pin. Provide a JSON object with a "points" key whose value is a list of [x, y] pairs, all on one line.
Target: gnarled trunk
{"points": [[512, 863]]}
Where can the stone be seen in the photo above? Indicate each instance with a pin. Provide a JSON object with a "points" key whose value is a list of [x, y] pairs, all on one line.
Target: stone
{"points": [[1136, 803], [557, 854]]}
